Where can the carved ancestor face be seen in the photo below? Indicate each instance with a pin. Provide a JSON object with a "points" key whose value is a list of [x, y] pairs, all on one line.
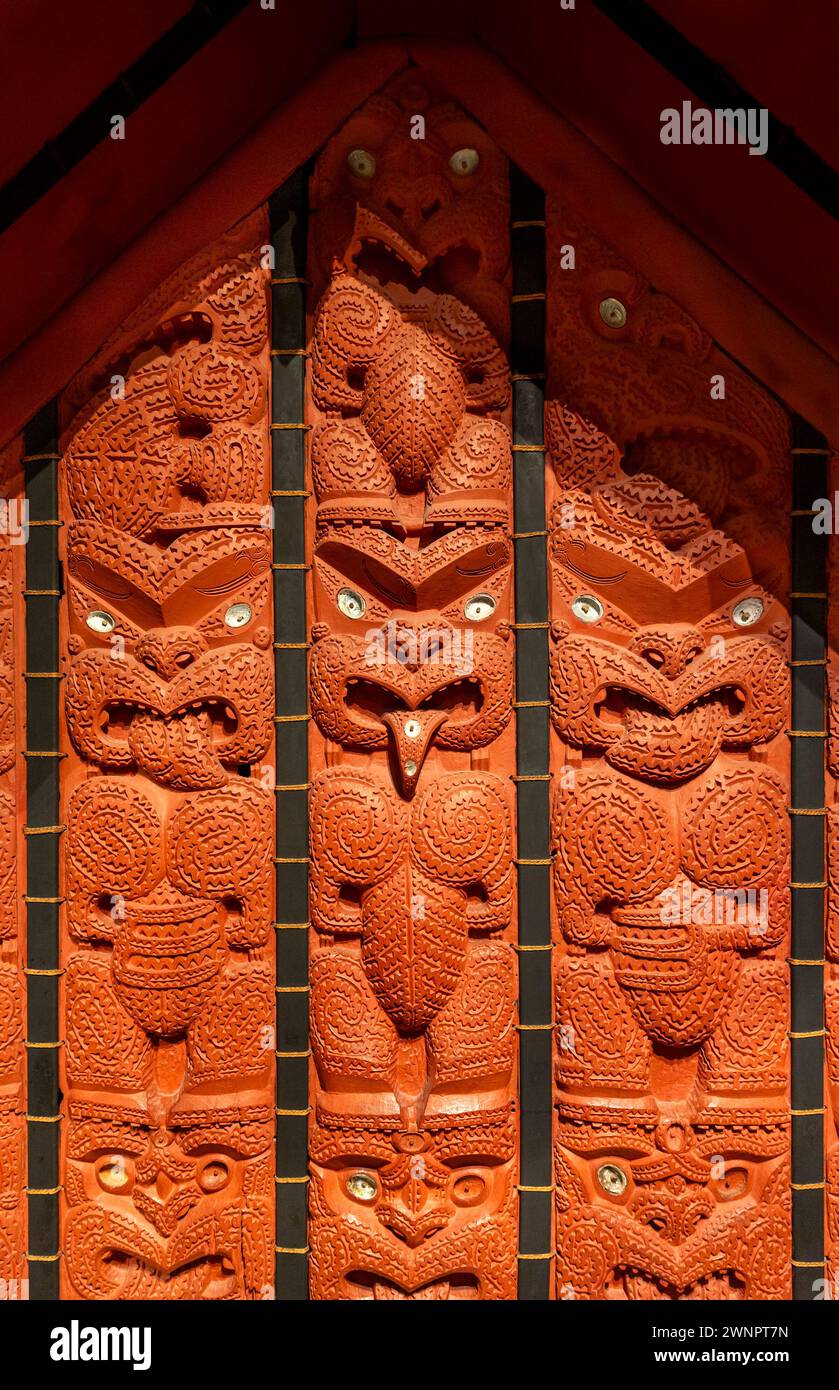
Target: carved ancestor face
{"points": [[437, 683], [366, 577], [411, 164], [173, 436], [415, 1214], [172, 1209], [629, 358], [668, 650], [652, 1210], [170, 674]]}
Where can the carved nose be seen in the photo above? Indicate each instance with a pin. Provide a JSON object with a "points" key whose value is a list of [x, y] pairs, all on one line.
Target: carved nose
{"points": [[170, 650], [164, 1186], [670, 650], [410, 1224]]}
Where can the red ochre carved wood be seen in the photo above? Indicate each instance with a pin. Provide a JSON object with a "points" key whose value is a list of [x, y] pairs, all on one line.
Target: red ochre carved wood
{"points": [[669, 704], [12, 944], [168, 997], [413, 973]]}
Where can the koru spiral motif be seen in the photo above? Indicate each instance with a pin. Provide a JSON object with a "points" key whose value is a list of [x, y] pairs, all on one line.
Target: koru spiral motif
{"points": [[168, 992], [413, 979], [669, 699]]}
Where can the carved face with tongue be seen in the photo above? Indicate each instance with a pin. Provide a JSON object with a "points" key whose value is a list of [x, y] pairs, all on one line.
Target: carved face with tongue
{"points": [[170, 673], [667, 650], [368, 693]]}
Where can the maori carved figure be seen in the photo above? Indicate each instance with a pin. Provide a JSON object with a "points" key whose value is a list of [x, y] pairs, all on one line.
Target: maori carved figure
{"points": [[12, 983], [632, 362], [413, 980], [647, 1208], [669, 700], [169, 1201], [169, 979], [186, 702]]}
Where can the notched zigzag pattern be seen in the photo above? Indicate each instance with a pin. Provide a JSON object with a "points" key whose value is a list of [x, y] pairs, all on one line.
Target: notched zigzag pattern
{"points": [[670, 827], [413, 1139], [168, 997]]}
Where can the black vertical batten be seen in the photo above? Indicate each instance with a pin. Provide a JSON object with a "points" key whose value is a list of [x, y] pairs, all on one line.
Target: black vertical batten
{"points": [[532, 741], [43, 834], [288, 212], [808, 607]]}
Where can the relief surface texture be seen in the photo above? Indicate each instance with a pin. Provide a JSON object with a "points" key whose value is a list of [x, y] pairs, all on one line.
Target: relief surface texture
{"points": [[168, 706], [413, 972], [12, 946], [669, 705]]}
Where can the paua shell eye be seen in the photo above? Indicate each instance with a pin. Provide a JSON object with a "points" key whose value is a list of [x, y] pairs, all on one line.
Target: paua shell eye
{"points": [[612, 1179], [238, 615], [363, 1187], [362, 163], [479, 607], [113, 1174], [587, 608], [100, 621], [747, 612], [351, 604], [464, 162]]}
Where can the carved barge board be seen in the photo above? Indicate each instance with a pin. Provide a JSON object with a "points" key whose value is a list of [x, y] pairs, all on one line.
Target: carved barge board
{"points": [[168, 1067], [413, 1141], [670, 705]]}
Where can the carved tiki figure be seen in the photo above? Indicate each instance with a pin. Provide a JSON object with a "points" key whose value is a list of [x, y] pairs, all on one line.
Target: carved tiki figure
{"points": [[169, 982], [634, 363], [183, 909], [669, 689], [412, 972], [657, 1207], [169, 1200], [171, 672]]}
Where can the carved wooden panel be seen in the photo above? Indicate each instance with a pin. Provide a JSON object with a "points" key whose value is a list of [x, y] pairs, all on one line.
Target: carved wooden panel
{"points": [[168, 997], [669, 691], [13, 533], [413, 974]]}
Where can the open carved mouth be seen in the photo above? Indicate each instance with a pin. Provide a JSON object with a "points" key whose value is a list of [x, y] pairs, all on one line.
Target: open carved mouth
{"points": [[380, 262], [636, 713], [208, 1277], [216, 720], [361, 1284], [461, 700], [626, 1282]]}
